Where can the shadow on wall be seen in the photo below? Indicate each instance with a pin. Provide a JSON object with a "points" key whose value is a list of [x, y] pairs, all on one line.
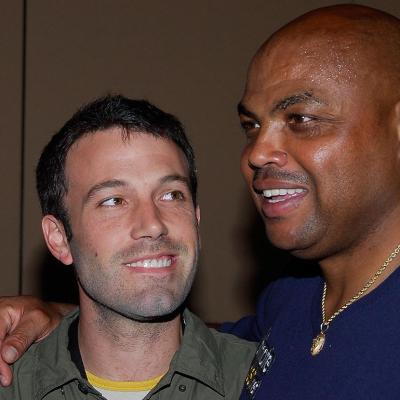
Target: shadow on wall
{"points": [[57, 280]]}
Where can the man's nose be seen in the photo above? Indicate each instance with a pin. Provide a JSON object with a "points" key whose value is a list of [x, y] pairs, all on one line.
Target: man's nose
{"points": [[268, 148], [147, 222]]}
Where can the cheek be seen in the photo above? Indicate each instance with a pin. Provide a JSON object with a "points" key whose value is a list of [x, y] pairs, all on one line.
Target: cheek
{"points": [[184, 227], [328, 162], [247, 172], [180, 219], [336, 176], [98, 236], [323, 155]]}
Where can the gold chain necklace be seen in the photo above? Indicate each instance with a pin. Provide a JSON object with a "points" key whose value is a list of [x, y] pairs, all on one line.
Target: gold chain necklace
{"points": [[319, 341]]}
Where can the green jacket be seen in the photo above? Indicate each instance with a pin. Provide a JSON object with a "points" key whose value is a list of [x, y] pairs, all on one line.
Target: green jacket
{"points": [[209, 365]]}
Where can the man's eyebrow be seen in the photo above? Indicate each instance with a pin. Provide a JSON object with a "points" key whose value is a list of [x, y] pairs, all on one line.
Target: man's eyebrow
{"points": [[112, 183], [242, 110], [305, 97], [175, 178]]}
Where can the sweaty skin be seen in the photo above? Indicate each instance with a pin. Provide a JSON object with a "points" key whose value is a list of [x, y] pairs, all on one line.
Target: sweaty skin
{"points": [[321, 109]]}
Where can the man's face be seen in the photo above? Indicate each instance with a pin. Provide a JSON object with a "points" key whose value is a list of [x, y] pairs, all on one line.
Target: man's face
{"points": [[321, 158], [135, 229]]}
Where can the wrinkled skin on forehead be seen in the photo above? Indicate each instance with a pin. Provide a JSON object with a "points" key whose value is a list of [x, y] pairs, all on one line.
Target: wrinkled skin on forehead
{"points": [[320, 107]]}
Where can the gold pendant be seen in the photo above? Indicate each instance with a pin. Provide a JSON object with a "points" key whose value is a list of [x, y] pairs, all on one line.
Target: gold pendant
{"points": [[318, 344]]}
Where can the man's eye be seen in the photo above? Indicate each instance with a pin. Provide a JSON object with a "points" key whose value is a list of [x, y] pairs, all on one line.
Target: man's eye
{"points": [[112, 202], [299, 119], [249, 125], [306, 125], [174, 195]]}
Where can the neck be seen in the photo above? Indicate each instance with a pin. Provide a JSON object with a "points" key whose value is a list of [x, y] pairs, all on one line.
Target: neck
{"points": [[121, 349], [348, 271]]}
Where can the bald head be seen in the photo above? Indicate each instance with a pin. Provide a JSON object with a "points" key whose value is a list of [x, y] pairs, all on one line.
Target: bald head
{"points": [[355, 40], [351, 18]]}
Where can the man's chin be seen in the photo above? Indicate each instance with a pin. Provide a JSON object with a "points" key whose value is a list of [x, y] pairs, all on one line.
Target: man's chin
{"points": [[296, 245], [157, 314], [153, 312]]}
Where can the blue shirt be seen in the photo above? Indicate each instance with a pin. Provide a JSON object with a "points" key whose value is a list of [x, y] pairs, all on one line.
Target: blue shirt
{"points": [[361, 357]]}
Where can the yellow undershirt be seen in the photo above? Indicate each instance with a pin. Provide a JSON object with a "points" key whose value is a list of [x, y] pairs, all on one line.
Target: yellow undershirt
{"points": [[105, 386]]}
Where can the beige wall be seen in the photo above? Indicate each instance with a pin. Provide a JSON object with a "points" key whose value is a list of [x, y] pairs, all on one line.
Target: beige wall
{"points": [[190, 58]]}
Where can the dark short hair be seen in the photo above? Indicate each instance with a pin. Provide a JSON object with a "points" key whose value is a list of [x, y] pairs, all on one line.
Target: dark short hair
{"points": [[106, 112]]}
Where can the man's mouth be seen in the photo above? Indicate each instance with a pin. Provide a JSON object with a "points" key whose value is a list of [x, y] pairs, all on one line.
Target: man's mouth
{"points": [[281, 194], [278, 202], [157, 262]]}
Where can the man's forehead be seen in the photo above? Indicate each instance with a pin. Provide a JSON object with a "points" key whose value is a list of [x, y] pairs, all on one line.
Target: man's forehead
{"points": [[113, 151], [339, 42], [308, 77], [104, 139], [323, 64], [309, 55]]}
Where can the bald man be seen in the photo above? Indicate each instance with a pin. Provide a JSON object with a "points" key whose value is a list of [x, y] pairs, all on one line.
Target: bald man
{"points": [[321, 115]]}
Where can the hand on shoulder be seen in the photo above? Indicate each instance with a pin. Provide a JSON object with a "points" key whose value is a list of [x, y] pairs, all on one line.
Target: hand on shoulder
{"points": [[23, 321]]}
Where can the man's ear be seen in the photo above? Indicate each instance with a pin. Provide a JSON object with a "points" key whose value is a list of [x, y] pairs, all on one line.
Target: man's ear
{"points": [[56, 239], [198, 224]]}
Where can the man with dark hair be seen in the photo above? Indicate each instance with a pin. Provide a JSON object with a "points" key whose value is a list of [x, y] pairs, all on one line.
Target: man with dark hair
{"points": [[321, 114], [117, 186], [104, 113]]}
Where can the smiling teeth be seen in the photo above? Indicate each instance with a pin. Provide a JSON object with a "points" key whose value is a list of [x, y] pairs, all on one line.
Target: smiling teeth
{"points": [[152, 263], [280, 192]]}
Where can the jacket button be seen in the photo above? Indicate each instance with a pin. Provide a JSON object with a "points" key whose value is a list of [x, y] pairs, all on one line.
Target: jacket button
{"points": [[83, 388], [182, 388]]}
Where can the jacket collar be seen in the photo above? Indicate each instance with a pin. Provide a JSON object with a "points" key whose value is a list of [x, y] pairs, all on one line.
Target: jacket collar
{"points": [[54, 367], [197, 357]]}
